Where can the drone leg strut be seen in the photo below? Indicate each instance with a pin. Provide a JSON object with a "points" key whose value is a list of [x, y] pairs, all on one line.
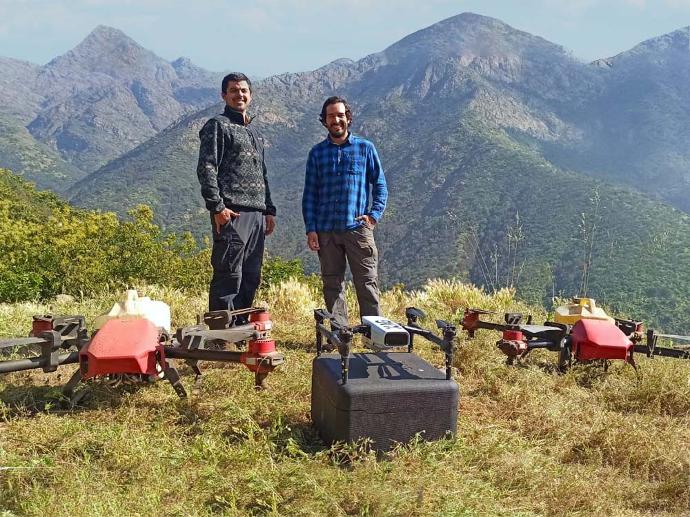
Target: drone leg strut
{"points": [[68, 388], [170, 373], [260, 380]]}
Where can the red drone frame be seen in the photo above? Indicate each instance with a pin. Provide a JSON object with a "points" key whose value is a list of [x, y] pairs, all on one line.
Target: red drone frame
{"points": [[135, 349], [585, 341]]}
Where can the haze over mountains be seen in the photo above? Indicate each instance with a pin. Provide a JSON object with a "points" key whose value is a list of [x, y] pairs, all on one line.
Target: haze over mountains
{"points": [[97, 101], [508, 160]]}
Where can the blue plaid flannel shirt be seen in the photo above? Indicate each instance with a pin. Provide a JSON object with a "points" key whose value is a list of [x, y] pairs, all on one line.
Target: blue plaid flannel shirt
{"points": [[336, 185]]}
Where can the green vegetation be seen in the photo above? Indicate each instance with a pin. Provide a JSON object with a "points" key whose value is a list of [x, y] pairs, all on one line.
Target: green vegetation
{"points": [[35, 161], [49, 248], [529, 442]]}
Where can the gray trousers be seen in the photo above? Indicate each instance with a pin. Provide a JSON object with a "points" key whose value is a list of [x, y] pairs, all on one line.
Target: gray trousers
{"points": [[236, 257], [356, 247]]}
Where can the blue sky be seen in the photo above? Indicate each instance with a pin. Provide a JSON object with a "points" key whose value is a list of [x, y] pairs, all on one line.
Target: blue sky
{"points": [[264, 37]]}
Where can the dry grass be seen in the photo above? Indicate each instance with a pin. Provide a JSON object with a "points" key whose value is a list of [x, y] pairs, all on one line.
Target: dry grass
{"points": [[529, 442]]}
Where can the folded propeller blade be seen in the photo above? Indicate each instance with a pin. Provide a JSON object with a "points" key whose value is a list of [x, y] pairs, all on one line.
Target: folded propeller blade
{"points": [[414, 313], [480, 311], [21, 341]]}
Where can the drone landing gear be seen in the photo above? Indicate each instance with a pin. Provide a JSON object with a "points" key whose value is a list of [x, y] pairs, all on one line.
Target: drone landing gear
{"points": [[565, 356], [68, 390], [260, 380], [172, 375]]}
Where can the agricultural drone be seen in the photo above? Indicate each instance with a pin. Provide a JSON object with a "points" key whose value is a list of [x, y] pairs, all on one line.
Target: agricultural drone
{"points": [[583, 334], [135, 349], [381, 334]]}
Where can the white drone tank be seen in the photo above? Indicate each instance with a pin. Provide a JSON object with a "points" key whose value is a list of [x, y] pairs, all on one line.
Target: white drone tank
{"points": [[135, 307]]}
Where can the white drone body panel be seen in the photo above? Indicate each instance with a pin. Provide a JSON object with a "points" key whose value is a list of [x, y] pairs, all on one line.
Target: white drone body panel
{"points": [[385, 333]]}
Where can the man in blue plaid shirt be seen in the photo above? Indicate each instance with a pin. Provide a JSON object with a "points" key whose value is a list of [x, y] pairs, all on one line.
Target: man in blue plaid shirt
{"points": [[344, 197]]}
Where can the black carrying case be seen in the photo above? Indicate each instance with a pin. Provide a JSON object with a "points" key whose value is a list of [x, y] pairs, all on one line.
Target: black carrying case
{"points": [[389, 397]]}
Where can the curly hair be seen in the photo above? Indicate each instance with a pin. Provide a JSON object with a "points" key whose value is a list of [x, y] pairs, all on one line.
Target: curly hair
{"points": [[335, 100]]}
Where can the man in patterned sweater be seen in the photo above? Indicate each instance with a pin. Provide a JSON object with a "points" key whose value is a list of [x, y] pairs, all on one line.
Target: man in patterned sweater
{"points": [[340, 212], [232, 173]]}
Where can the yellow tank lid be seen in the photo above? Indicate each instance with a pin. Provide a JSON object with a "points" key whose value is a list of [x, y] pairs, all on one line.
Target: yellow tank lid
{"points": [[580, 308]]}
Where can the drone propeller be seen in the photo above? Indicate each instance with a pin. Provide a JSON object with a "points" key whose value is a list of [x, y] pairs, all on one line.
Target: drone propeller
{"points": [[441, 324], [413, 314], [323, 315], [479, 311]]}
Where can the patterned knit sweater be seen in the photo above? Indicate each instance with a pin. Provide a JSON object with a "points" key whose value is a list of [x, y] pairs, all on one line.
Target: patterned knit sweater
{"points": [[231, 168]]}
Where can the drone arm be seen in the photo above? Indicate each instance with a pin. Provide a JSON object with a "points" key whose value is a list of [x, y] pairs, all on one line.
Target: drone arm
{"points": [[677, 353], [203, 354], [50, 358], [426, 334], [32, 363], [472, 327], [651, 349], [550, 345], [445, 343], [20, 341], [231, 335], [339, 336]]}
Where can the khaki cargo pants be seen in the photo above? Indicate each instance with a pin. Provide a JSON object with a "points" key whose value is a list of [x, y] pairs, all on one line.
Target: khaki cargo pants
{"points": [[358, 249]]}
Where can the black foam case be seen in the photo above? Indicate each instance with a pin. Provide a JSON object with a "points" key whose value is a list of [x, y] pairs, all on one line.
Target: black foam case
{"points": [[389, 397]]}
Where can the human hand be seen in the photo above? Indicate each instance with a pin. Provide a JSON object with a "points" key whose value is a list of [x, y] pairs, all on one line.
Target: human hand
{"points": [[222, 217], [368, 220], [313, 241], [270, 224]]}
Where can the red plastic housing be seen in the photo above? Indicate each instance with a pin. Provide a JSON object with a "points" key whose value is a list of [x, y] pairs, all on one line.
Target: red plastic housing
{"points": [[259, 316], [261, 320], [257, 351], [513, 335], [599, 339], [469, 322], [41, 324], [121, 346]]}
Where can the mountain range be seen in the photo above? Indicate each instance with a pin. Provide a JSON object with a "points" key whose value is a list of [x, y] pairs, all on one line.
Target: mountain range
{"points": [[94, 103], [509, 161]]}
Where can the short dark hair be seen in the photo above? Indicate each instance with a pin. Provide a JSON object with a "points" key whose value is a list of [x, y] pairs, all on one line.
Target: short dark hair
{"points": [[335, 100], [235, 77]]}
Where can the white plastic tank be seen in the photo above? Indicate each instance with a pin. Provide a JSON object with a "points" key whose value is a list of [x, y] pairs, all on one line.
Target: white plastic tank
{"points": [[135, 307]]}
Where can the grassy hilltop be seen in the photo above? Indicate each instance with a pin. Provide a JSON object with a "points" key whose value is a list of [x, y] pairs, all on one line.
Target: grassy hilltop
{"points": [[529, 441]]}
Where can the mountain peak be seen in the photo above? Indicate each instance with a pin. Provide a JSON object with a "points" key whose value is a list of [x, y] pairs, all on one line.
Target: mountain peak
{"points": [[470, 35], [106, 31], [106, 38], [678, 40], [185, 68], [474, 19], [667, 48], [111, 52]]}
